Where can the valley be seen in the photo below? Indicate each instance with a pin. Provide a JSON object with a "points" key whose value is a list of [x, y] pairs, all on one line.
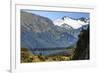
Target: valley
{"points": [[46, 40]]}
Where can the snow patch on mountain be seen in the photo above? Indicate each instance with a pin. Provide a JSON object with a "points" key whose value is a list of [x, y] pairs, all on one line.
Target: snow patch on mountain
{"points": [[75, 24]]}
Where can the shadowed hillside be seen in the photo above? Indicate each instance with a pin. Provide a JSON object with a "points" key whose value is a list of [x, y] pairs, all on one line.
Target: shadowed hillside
{"points": [[82, 49]]}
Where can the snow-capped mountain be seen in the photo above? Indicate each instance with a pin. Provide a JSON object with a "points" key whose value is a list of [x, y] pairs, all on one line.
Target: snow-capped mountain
{"points": [[68, 22]]}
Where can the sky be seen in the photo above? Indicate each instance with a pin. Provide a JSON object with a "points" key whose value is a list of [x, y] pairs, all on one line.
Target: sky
{"points": [[53, 15]]}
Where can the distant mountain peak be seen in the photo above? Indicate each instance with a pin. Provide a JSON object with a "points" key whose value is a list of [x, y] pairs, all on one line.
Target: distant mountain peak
{"points": [[74, 23], [65, 17]]}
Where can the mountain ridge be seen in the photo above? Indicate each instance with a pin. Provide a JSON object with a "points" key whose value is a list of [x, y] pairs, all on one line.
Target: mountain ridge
{"points": [[41, 32], [73, 23]]}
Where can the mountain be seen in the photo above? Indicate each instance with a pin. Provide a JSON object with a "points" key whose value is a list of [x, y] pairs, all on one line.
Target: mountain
{"points": [[73, 26], [40, 32], [71, 23]]}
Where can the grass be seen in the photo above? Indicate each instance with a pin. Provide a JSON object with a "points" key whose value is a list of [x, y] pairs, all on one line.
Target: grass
{"points": [[28, 57]]}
